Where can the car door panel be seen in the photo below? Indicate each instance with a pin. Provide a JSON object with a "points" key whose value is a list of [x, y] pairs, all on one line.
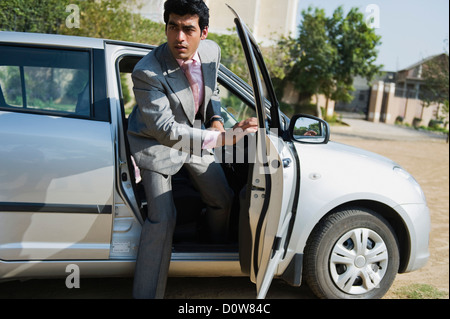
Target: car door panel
{"points": [[269, 220], [56, 179], [273, 178]]}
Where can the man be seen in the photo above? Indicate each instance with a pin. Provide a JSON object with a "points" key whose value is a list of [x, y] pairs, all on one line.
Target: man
{"points": [[175, 88]]}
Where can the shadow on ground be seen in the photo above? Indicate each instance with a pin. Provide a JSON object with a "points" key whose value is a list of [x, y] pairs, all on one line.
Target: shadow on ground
{"points": [[120, 288]]}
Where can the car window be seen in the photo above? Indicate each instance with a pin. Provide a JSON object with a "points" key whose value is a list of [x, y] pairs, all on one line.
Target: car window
{"points": [[233, 108], [45, 80], [125, 66]]}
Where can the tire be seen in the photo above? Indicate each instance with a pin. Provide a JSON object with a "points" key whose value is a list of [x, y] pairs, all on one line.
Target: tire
{"points": [[338, 266]]}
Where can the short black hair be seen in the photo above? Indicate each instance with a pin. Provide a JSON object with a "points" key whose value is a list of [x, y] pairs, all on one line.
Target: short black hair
{"points": [[183, 7]]}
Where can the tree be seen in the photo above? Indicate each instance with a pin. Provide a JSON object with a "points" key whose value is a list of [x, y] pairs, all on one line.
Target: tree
{"points": [[330, 52], [31, 15], [436, 84], [114, 19], [232, 54], [111, 19]]}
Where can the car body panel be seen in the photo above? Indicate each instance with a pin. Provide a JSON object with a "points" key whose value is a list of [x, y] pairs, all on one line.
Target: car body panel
{"points": [[51, 40], [56, 172]]}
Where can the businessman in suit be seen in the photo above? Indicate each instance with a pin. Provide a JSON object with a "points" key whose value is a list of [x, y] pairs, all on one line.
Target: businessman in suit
{"points": [[176, 93]]}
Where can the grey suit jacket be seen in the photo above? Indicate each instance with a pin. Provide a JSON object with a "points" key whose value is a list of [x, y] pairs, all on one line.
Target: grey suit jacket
{"points": [[162, 130]]}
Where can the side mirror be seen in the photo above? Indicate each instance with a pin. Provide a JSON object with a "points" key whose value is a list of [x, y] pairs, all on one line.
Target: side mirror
{"points": [[309, 129]]}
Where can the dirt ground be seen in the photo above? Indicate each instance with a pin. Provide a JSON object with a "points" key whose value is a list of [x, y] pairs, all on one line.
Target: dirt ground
{"points": [[425, 156]]}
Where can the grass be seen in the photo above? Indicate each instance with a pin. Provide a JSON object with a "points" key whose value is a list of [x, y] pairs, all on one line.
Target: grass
{"points": [[420, 291]]}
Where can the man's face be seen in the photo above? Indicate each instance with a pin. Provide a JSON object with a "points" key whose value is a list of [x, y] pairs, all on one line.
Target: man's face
{"points": [[184, 35]]}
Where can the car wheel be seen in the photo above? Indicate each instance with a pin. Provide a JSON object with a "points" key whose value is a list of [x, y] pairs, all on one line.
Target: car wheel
{"points": [[351, 254]]}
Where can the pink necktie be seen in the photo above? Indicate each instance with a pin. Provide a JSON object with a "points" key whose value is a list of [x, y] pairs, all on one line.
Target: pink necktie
{"points": [[194, 85]]}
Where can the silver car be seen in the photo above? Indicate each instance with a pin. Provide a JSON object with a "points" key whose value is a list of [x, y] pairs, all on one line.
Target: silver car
{"points": [[307, 210]]}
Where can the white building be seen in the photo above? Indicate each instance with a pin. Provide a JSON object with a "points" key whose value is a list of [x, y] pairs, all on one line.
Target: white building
{"points": [[152, 9], [266, 18]]}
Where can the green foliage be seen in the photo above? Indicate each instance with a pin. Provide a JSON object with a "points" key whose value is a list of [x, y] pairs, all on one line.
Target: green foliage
{"points": [[330, 52], [312, 71], [10, 77], [306, 108], [277, 58], [232, 54], [32, 15], [436, 84], [125, 89], [112, 19], [435, 74], [287, 109]]}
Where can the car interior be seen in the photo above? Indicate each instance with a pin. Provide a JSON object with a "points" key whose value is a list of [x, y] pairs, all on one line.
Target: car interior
{"points": [[191, 233]]}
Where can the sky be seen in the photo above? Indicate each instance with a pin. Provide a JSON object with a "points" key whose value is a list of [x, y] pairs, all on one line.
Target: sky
{"points": [[411, 30]]}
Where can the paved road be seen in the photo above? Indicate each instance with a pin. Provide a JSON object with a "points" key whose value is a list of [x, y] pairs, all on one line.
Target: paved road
{"points": [[357, 128]]}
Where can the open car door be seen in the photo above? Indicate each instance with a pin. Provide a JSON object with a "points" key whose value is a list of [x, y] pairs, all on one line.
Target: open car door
{"points": [[273, 184]]}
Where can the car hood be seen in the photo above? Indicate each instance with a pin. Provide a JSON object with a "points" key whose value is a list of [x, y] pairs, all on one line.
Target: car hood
{"points": [[344, 171], [344, 162], [359, 152]]}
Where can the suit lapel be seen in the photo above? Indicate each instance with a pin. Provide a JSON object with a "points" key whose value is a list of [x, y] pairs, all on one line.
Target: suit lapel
{"points": [[178, 83], [209, 75]]}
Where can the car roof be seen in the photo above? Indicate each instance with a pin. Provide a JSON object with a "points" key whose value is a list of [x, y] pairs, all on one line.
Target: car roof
{"points": [[50, 39], [61, 40]]}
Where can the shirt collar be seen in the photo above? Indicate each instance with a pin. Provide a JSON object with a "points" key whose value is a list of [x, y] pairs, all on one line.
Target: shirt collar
{"points": [[196, 59]]}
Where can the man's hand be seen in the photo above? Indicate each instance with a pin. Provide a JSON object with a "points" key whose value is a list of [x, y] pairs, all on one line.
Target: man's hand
{"points": [[217, 126], [232, 136], [250, 123]]}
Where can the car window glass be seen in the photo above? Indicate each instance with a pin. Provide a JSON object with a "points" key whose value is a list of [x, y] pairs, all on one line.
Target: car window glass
{"points": [[233, 108], [125, 66], [129, 100], [10, 77], [55, 81]]}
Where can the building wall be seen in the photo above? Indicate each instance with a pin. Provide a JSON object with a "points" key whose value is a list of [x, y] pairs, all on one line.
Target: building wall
{"points": [[222, 19], [267, 19], [385, 106], [152, 9], [411, 109]]}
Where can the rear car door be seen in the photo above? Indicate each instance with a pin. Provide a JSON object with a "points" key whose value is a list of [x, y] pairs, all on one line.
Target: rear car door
{"points": [[56, 154], [272, 188]]}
